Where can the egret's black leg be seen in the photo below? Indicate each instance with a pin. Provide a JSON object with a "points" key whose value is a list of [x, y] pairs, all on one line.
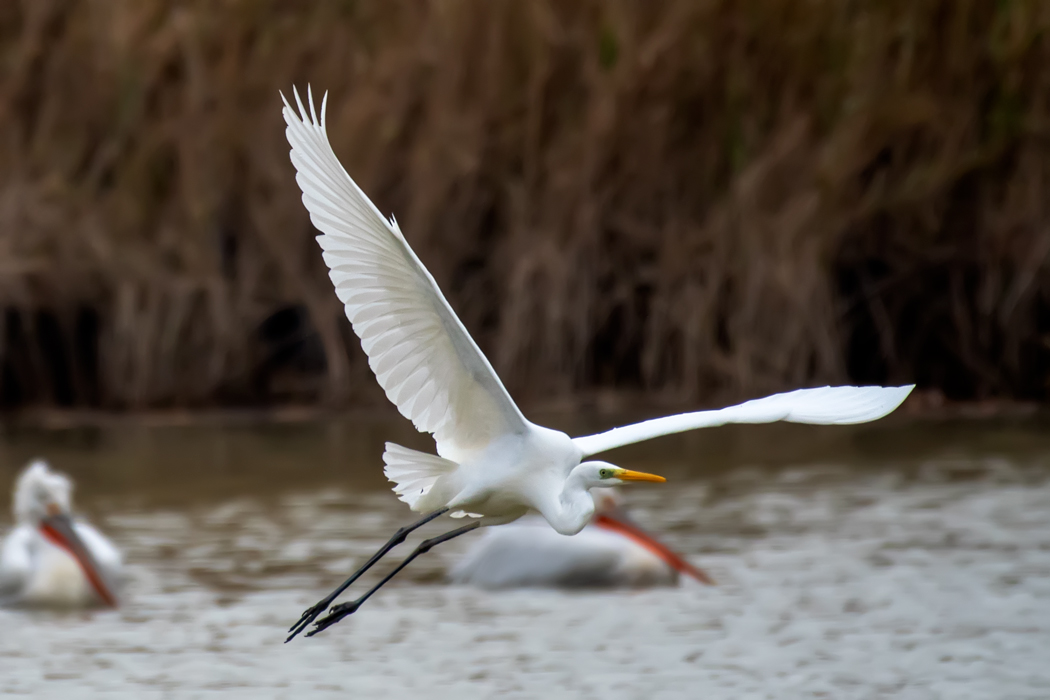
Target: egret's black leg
{"points": [[311, 613], [340, 611]]}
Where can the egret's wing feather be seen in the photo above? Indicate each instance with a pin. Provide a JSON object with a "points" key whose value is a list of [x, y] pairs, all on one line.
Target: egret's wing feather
{"points": [[829, 405], [414, 473], [423, 357]]}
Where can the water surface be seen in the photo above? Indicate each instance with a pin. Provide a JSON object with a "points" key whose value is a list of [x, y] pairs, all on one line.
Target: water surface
{"points": [[893, 560]]}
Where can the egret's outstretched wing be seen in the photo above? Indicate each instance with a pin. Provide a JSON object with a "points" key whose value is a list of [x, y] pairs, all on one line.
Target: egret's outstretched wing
{"points": [[423, 357], [829, 405]]}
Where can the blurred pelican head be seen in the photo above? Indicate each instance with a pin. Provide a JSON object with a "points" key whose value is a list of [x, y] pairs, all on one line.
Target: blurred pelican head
{"points": [[41, 492]]}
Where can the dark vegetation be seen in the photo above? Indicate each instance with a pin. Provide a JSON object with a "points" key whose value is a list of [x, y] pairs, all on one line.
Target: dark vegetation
{"points": [[690, 198]]}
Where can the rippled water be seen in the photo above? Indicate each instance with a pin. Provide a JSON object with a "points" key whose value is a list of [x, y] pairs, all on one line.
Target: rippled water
{"points": [[893, 560]]}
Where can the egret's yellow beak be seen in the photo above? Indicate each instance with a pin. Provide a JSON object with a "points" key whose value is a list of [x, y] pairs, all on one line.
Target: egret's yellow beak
{"points": [[628, 475]]}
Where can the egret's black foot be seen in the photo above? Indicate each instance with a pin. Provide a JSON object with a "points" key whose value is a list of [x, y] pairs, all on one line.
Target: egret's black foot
{"points": [[338, 613], [309, 616]]}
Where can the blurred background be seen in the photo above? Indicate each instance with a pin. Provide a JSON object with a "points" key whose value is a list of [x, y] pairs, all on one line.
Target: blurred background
{"points": [[635, 207], [692, 201]]}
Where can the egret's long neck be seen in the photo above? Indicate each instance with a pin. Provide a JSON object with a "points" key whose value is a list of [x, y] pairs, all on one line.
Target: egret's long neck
{"points": [[574, 507]]}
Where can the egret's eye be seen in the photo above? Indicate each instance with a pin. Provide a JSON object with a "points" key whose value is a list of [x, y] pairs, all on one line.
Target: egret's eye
{"points": [[605, 473]]}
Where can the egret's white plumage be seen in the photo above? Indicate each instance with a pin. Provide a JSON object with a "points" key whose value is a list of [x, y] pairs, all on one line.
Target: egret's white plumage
{"points": [[50, 559], [422, 356], [493, 463], [829, 405]]}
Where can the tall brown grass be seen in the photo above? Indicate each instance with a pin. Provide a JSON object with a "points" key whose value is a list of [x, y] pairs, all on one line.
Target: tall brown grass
{"points": [[685, 197]]}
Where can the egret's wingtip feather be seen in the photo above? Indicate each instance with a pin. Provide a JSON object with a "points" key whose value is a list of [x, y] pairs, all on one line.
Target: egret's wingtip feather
{"points": [[299, 102], [310, 99]]}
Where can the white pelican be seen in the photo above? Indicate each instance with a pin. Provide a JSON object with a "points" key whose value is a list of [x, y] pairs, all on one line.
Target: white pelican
{"points": [[49, 559], [611, 551], [492, 465]]}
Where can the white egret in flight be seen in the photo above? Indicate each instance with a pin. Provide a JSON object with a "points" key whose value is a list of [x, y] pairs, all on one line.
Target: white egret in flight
{"points": [[493, 465], [611, 552], [50, 559]]}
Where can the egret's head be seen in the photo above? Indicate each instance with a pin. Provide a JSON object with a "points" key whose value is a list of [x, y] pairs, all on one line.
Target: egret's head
{"points": [[40, 492], [601, 474]]}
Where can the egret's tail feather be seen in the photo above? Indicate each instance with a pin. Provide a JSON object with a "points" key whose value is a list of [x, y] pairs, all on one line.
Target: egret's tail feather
{"points": [[414, 473]]}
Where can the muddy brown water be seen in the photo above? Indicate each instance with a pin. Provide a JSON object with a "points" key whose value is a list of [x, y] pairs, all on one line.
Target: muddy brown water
{"points": [[900, 559]]}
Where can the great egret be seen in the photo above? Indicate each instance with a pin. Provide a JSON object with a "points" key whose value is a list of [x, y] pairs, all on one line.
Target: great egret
{"points": [[612, 551], [492, 465], [50, 559]]}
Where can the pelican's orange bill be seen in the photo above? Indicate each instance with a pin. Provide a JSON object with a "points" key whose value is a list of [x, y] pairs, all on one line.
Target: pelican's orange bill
{"points": [[630, 530], [628, 475], [59, 530]]}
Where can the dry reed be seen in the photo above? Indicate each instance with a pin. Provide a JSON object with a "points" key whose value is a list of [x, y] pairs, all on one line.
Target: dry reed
{"points": [[687, 197]]}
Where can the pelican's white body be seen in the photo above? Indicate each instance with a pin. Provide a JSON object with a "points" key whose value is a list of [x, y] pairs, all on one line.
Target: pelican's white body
{"points": [[36, 572], [529, 553], [493, 463]]}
